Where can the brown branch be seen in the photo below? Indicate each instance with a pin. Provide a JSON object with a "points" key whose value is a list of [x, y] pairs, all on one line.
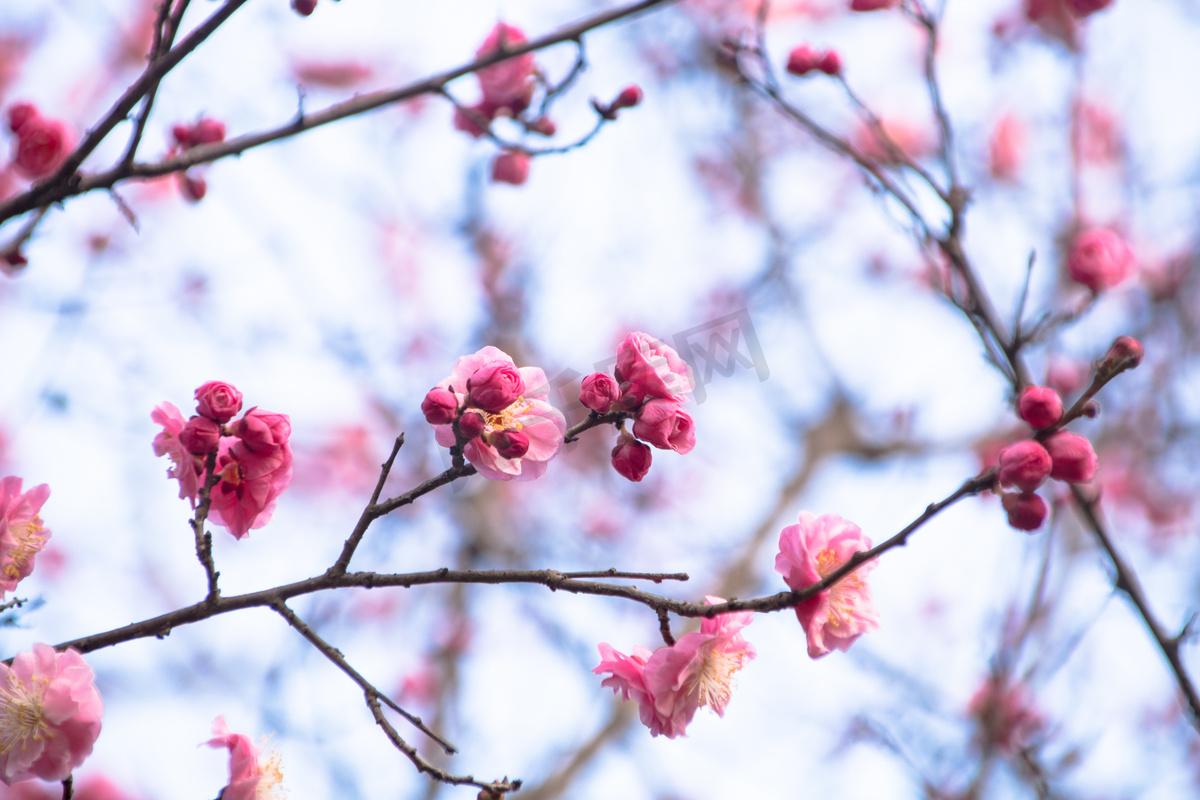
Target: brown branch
{"points": [[1127, 581]]}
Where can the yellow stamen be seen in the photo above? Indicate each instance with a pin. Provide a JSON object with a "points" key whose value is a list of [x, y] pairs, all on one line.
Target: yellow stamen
{"points": [[29, 544], [22, 718], [843, 594]]}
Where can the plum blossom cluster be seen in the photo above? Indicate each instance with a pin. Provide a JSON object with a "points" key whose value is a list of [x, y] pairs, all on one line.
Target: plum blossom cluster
{"points": [[811, 551], [496, 416], [41, 143], [672, 683], [1006, 715], [49, 714], [251, 459], [255, 773], [22, 535], [650, 385]]}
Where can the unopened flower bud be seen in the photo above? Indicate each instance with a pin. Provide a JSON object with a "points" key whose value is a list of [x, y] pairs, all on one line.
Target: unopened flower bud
{"points": [[439, 406], [40, 147], [208, 131], [200, 435], [544, 126], [182, 134], [629, 97], [1091, 409], [1040, 406], [1026, 511], [510, 442], [19, 114], [471, 424], [803, 60], [631, 458], [1082, 8], [261, 431], [218, 401], [495, 387], [192, 189], [1099, 259], [1074, 460], [1126, 353], [871, 5], [1025, 465], [599, 391], [511, 166], [830, 63], [304, 7]]}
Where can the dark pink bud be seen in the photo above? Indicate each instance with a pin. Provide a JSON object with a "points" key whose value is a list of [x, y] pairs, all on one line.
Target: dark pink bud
{"points": [[1074, 460], [218, 401], [544, 126], [871, 5], [1126, 352], [1025, 465], [19, 114], [261, 431], [803, 60], [40, 147], [439, 406], [304, 7], [471, 424], [192, 189], [200, 435], [208, 131], [495, 387], [1026, 511], [631, 458], [510, 443], [1082, 8], [830, 63], [664, 424], [1099, 259], [1040, 406], [599, 391], [511, 166], [182, 134], [472, 119], [1091, 409], [629, 97]]}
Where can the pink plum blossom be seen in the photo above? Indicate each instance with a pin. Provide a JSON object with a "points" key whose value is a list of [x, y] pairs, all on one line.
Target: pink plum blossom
{"points": [[262, 431], [1026, 510], [1006, 714], [217, 400], [253, 774], [1025, 465], [508, 84], [673, 682], [811, 551], [200, 435], [251, 482], [1040, 406], [22, 536], [664, 424], [599, 391], [652, 369], [529, 414], [631, 458], [186, 468], [49, 714], [41, 145], [511, 167], [1072, 456], [1100, 259]]}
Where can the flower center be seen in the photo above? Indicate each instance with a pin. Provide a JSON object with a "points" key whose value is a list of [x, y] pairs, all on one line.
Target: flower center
{"points": [[29, 544], [271, 765], [21, 716], [844, 593], [507, 418], [713, 682]]}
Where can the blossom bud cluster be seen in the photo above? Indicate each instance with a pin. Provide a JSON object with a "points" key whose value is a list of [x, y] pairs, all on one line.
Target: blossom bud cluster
{"points": [[805, 59], [650, 385], [1028, 464], [204, 131], [41, 144], [253, 457], [496, 415]]}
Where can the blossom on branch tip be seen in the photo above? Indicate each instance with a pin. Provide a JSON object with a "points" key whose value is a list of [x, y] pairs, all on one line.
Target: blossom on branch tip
{"points": [[1124, 349], [507, 85], [1025, 465], [811, 551], [1100, 259], [664, 424], [49, 714], [599, 391], [218, 401], [512, 167], [673, 682], [22, 535], [630, 458], [1026, 510], [652, 369], [1040, 406], [255, 773], [1074, 460], [528, 413]]}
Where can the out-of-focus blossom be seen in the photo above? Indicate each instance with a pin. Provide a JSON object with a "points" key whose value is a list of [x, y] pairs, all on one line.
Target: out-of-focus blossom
{"points": [[192, 187], [652, 369], [1066, 375], [529, 413], [22, 535], [672, 683], [664, 424], [508, 84], [1100, 140], [41, 144], [911, 141], [254, 772], [1100, 259], [1083, 8], [511, 167], [630, 458], [599, 391], [304, 8], [1074, 460], [1026, 510], [331, 74], [1040, 406], [186, 468], [219, 401], [1006, 148], [1124, 350], [872, 5], [49, 714], [1054, 19], [1007, 717], [812, 550], [805, 59], [1025, 465]]}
